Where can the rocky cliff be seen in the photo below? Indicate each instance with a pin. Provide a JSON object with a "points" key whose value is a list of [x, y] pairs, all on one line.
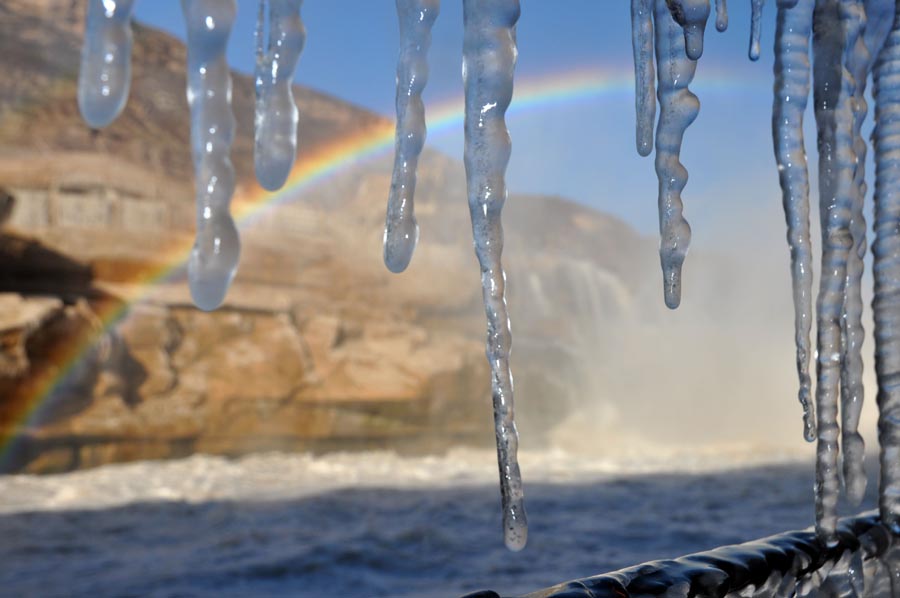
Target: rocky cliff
{"points": [[317, 347]]}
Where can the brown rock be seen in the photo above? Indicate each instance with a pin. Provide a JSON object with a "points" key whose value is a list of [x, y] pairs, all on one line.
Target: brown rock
{"points": [[317, 346]]}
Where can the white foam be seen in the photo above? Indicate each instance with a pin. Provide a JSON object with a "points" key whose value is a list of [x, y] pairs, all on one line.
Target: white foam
{"points": [[279, 476]]}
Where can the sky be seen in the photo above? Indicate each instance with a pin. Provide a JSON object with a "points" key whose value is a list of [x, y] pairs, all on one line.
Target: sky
{"points": [[582, 149]]}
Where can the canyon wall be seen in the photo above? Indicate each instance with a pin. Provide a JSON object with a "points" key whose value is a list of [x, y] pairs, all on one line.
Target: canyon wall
{"points": [[318, 347]]}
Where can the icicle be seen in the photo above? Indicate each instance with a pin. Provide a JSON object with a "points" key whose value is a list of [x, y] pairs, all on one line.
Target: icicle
{"points": [[276, 112], [401, 232], [791, 95], [678, 108], [721, 15], [836, 25], [105, 75], [756, 27], [214, 258], [489, 58], [886, 249], [852, 392], [879, 17], [692, 16], [644, 92]]}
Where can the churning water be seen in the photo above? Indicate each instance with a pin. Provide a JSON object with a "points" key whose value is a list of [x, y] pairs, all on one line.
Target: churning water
{"points": [[377, 524]]}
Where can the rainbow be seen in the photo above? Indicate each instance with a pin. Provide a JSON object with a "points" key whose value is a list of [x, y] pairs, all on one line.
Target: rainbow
{"points": [[531, 94]]}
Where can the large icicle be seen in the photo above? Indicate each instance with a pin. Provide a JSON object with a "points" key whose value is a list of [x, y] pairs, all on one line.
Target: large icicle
{"points": [[755, 27], [489, 59], [678, 108], [105, 75], [276, 112], [644, 92], [214, 257], [401, 232], [836, 25], [692, 16], [879, 15], [852, 391], [792, 71], [886, 249]]}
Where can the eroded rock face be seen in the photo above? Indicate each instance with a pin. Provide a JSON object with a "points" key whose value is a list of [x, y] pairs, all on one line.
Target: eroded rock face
{"points": [[169, 380], [317, 346]]}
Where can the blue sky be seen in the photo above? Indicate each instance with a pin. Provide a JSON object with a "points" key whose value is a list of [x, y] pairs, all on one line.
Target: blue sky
{"points": [[583, 150]]}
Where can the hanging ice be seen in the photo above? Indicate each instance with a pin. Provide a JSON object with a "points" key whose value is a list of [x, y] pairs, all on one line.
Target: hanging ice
{"points": [[836, 25], [721, 15], [105, 75], [852, 392], [401, 232], [644, 92], [879, 15], [678, 108], [886, 250], [275, 147], [692, 16], [845, 43], [489, 59], [214, 257], [792, 72], [756, 26]]}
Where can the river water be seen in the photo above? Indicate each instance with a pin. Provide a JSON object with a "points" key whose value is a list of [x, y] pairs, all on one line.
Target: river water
{"points": [[377, 524]]}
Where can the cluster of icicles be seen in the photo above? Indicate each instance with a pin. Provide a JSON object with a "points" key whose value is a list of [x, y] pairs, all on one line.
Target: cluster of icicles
{"points": [[103, 86], [850, 39], [488, 63]]}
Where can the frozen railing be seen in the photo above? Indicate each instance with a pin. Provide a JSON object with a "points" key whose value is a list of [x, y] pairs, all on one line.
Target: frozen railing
{"points": [[864, 562]]}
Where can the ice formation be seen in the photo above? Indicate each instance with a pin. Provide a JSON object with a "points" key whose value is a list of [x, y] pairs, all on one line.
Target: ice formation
{"points": [[756, 27], [851, 40], [792, 72], [105, 75], [721, 15], [845, 46], [489, 60], [833, 90], [275, 148], [692, 16], [674, 28], [214, 257], [644, 92], [886, 250], [401, 232], [678, 107]]}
